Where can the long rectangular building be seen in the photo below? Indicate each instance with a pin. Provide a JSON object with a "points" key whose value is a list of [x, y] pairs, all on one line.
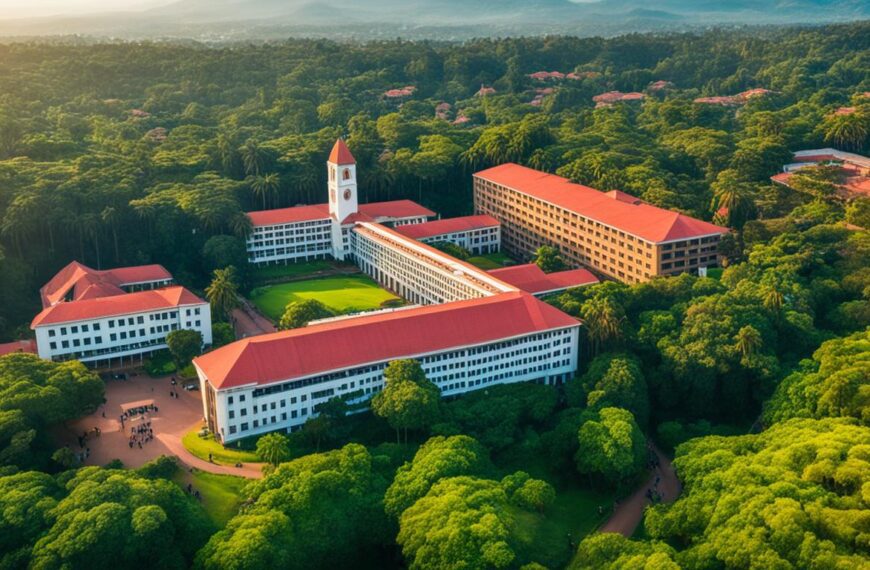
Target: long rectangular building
{"points": [[276, 381], [480, 235], [613, 233]]}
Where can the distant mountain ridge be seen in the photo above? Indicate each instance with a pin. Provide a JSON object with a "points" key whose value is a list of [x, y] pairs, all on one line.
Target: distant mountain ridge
{"points": [[441, 19]]}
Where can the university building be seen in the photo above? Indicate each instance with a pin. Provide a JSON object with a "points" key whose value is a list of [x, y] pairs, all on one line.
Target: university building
{"points": [[112, 316], [612, 233], [468, 328]]}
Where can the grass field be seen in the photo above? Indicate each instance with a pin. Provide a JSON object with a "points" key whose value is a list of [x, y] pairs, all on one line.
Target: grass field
{"points": [[268, 272], [202, 446], [221, 494], [490, 261], [342, 294]]}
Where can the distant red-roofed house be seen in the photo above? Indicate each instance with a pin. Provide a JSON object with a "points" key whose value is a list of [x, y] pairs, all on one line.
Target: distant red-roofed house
{"points": [[484, 91], [845, 111], [854, 170], [461, 120], [660, 85], [759, 92], [139, 114], [611, 97]]}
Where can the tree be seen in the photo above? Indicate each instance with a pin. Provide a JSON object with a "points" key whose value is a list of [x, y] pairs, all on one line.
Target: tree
{"points": [[254, 157], [223, 251], [835, 383], [612, 551], [438, 458], [316, 429], [549, 259], [408, 400], [733, 199], [604, 321], [273, 448], [849, 132], [612, 447], [222, 334], [36, 395], [769, 499], [612, 381], [223, 293], [462, 522], [265, 186], [298, 314], [115, 517], [336, 496], [184, 345], [528, 493], [748, 341]]}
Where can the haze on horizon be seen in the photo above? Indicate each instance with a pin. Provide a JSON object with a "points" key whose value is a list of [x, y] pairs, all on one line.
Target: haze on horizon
{"points": [[40, 8]]}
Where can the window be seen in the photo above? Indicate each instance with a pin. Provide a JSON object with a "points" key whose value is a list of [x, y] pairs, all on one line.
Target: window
{"points": [[53, 345], [96, 326], [51, 332], [74, 330], [84, 328], [346, 174], [244, 426]]}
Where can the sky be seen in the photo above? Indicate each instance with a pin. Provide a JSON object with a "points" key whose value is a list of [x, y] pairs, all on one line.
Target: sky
{"points": [[31, 8]]}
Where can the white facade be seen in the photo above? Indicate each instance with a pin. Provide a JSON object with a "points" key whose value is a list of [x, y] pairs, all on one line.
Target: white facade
{"points": [[117, 336], [418, 273], [479, 242], [293, 241], [547, 357]]}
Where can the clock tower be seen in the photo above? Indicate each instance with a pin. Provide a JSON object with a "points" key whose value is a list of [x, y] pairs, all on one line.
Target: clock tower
{"points": [[343, 202]]}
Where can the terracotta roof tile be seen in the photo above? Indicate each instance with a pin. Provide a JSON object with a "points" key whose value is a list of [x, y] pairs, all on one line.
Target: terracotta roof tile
{"points": [[531, 279], [450, 225], [341, 154], [377, 338]]}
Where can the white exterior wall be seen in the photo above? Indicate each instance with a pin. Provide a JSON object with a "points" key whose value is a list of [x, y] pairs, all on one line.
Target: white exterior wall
{"points": [[549, 357], [91, 340], [415, 276], [297, 241], [478, 242]]}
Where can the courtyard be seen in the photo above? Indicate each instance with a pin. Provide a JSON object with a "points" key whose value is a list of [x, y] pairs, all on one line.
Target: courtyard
{"points": [[343, 294], [173, 418]]}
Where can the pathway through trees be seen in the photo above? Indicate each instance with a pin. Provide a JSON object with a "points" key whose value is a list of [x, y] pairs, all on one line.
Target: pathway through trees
{"points": [[629, 512]]}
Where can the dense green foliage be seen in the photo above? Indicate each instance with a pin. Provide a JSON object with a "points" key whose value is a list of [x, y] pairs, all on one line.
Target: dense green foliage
{"points": [[409, 401], [184, 345], [98, 518], [336, 497], [35, 395]]}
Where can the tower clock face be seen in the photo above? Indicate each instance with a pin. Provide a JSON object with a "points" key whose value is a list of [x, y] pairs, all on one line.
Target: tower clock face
{"points": [[347, 194]]}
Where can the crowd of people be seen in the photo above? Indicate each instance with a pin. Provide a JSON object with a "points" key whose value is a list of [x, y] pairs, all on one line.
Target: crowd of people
{"points": [[141, 434]]}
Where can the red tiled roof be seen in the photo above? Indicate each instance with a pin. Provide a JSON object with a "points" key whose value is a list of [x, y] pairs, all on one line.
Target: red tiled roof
{"points": [[397, 209], [125, 304], [290, 215], [531, 279], [639, 219], [448, 226], [87, 283], [341, 154], [28, 346], [376, 338], [614, 96]]}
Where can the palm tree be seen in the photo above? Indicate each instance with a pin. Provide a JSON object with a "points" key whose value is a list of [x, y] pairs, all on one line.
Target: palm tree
{"points": [[111, 217], [748, 340], [603, 322], [90, 226], [773, 300], [849, 132], [241, 225], [223, 293], [226, 152], [253, 157], [734, 197], [265, 186], [273, 448]]}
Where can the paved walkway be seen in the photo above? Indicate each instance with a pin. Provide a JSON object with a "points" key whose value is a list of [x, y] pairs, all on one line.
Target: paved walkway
{"points": [[629, 512], [248, 321], [174, 418]]}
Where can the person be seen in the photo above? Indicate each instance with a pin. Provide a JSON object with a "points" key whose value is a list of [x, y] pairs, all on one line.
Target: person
{"points": [[210, 458]]}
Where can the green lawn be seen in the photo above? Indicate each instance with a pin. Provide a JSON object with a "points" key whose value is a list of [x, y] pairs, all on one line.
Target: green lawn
{"points": [[548, 538], [342, 294], [202, 446], [268, 272], [221, 494], [491, 261]]}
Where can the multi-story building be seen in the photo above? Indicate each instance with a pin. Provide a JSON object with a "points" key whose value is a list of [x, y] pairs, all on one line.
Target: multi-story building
{"points": [[478, 234], [319, 231], [108, 317], [853, 169], [531, 279], [612, 233], [418, 272], [277, 381]]}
